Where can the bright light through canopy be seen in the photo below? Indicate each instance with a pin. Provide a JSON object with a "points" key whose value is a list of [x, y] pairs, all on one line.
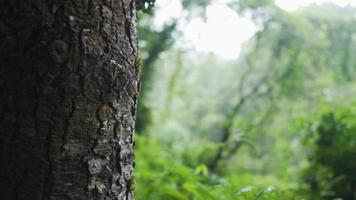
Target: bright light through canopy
{"points": [[224, 31]]}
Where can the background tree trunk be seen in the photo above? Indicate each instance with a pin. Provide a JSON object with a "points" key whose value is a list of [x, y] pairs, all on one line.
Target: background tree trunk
{"points": [[68, 93]]}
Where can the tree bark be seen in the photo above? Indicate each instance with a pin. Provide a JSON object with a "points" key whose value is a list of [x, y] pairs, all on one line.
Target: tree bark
{"points": [[68, 93]]}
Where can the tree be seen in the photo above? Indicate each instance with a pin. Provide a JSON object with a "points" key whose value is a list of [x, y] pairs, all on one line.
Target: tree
{"points": [[68, 93], [156, 42], [330, 138]]}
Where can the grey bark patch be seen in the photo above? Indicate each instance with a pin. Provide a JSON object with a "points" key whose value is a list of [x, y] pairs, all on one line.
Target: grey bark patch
{"points": [[102, 150], [96, 185], [106, 12], [95, 166]]}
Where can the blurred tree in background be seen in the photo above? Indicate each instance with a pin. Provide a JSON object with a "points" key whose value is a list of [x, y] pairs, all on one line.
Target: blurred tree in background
{"points": [[332, 171], [153, 42]]}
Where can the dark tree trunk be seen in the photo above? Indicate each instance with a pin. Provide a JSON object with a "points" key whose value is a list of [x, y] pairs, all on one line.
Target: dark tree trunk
{"points": [[68, 90]]}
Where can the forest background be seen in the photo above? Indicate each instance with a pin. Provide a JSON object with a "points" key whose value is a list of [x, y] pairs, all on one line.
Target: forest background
{"points": [[247, 99]]}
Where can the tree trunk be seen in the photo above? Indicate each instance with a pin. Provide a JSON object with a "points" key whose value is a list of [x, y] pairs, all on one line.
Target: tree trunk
{"points": [[68, 90]]}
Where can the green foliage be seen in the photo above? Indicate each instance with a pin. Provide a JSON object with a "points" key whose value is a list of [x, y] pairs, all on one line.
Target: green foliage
{"points": [[296, 61], [197, 3], [256, 3], [331, 173], [160, 176], [145, 5]]}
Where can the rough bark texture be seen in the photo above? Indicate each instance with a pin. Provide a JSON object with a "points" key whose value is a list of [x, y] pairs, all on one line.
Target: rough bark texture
{"points": [[68, 90]]}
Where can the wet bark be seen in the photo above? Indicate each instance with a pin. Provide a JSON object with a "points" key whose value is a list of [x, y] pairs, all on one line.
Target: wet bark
{"points": [[68, 90]]}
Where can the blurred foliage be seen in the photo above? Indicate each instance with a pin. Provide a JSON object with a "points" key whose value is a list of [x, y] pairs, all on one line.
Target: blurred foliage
{"points": [[161, 176], [273, 124], [251, 4], [153, 41], [331, 173], [145, 5]]}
